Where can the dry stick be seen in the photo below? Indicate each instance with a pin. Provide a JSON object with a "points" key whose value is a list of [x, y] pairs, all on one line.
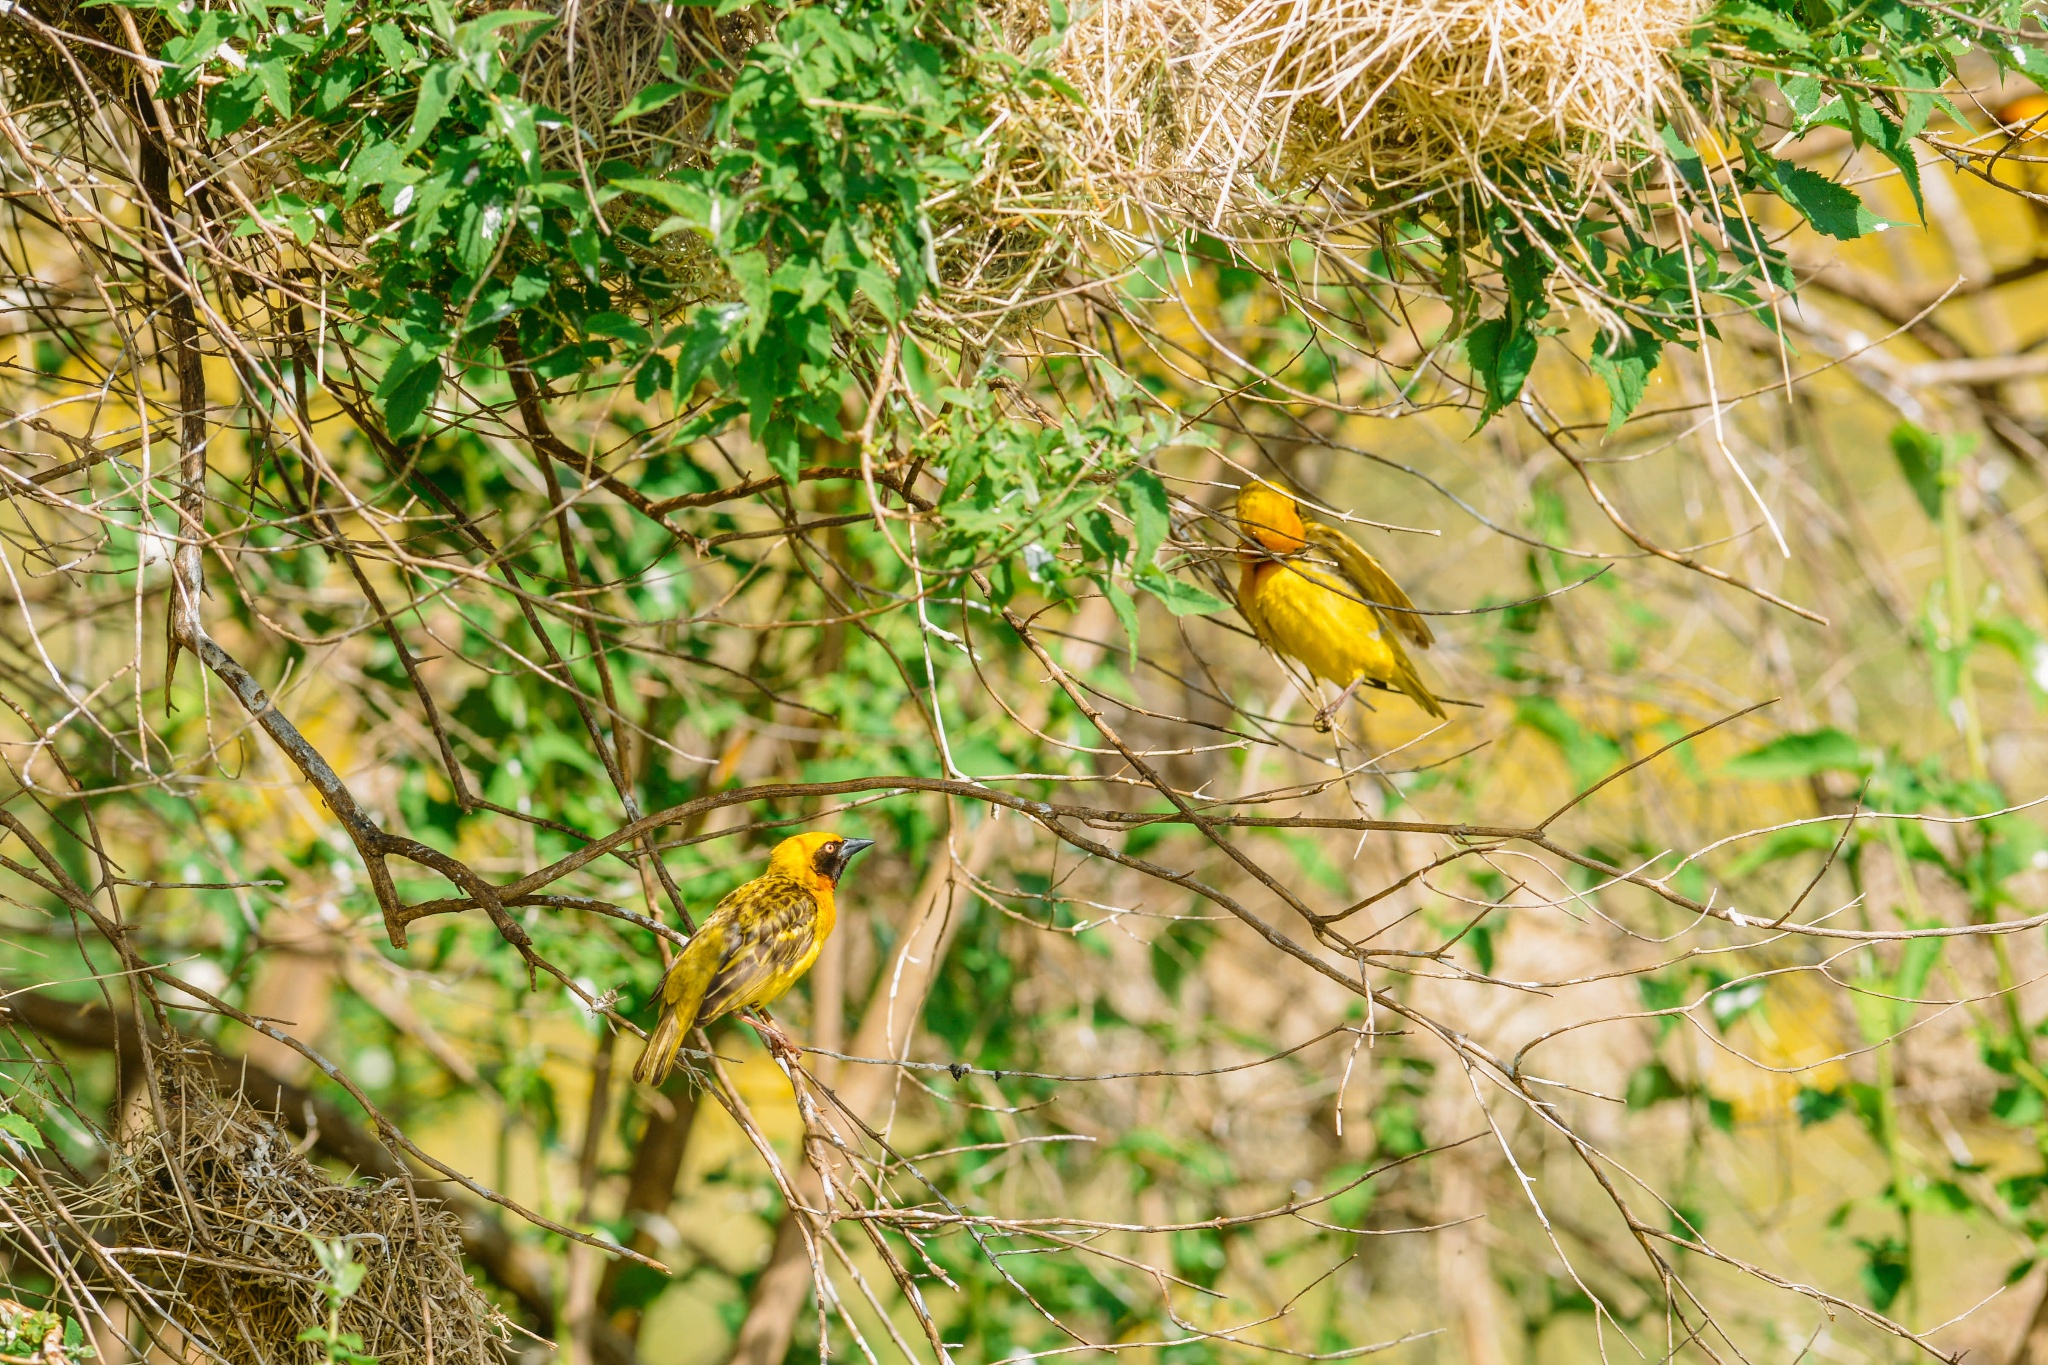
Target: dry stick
{"points": [[187, 631], [1050, 814], [545, 446], [1460, 1044], [153, 177], [1644, 543]]}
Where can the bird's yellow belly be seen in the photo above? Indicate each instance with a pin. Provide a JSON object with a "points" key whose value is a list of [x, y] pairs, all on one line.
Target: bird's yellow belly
{"points": [[777, 986], [1315, 624]]}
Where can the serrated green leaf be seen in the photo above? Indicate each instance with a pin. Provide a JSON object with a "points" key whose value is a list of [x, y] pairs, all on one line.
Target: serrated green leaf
{"points": [[275, 77], [1144, 498], [1181, 597], [619, 327], [18, 1127], [1624, 366], [1833, 210], [713, 328], [1501, 356]]}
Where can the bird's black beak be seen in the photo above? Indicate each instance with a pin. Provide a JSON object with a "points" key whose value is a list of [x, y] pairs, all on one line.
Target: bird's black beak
{"points": [[846, 852]]}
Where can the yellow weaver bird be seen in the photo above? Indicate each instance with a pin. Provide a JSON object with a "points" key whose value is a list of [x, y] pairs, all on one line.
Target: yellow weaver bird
{"points": [[1345, 631], [756, 944]]}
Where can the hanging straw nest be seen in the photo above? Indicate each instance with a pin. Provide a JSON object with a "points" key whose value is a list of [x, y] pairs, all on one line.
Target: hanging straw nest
{"points": [[231, 1208], [1216, 106]]}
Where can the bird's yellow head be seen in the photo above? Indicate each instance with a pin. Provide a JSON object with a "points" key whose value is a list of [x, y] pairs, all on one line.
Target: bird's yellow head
{"points": [[2025, 117], [816, 856], [1270, 517]]}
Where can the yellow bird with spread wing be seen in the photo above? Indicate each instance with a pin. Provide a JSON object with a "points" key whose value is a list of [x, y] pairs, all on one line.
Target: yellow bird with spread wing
{"points": [[1347, 630]]}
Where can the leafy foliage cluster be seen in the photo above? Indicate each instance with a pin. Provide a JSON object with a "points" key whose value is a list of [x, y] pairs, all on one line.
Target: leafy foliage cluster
{"points": [[806, 197]]}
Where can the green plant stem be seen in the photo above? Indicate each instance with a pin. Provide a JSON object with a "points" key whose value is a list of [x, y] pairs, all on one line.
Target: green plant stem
{"points": [[1895, 1155], [1962, 622]]}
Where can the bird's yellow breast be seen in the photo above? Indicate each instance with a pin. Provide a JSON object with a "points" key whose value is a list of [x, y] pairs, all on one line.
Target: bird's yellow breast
{"points": [[1315, 623]]}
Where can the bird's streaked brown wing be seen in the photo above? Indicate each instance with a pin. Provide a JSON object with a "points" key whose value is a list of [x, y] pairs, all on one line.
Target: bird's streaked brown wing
{"points": [[773, 928], [1375, 585]]}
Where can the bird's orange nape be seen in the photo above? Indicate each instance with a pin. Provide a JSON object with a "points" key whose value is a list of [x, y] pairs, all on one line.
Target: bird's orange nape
{"points": [[1271, 518]]}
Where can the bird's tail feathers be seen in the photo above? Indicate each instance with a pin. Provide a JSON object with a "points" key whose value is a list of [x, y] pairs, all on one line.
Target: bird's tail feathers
{"points": [[1410, 682], [660, 1057]]}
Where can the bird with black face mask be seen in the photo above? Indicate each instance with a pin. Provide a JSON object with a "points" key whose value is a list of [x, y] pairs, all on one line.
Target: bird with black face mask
{"points": [[757, 943]]}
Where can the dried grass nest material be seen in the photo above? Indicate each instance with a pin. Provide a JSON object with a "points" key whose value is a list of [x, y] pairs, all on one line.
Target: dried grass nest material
{"points": [[1218, 98], [237, 1265]]}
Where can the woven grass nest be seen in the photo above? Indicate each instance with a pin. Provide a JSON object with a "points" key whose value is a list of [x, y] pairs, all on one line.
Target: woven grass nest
{"points": [[232, 1206], [1232, 100]]}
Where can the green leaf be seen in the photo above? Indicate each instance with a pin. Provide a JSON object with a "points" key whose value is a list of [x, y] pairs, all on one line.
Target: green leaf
{"points": [[478, 39], [619, 327], [437, 89], [1803, 93], [778, 437], [1817, 1106], [1624, 366], [1765, 23], [1887, 1263], [377, 164], [1126, 611], [405, 394], [21, 1129], [688, 202], [1801, 755], [1832, 209], [649, 99], [515, 119], [710, 331], [1501, 356], [276, 80], [1652, 1083], [1181, 598], [1923, 459], [231, 104], [1144, 497], [398, 53]]}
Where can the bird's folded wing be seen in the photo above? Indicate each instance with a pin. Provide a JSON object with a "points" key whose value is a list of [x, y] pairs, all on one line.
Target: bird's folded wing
{"points": [[691, 974], [1248, 608], [1373, 583], [771, 935]]}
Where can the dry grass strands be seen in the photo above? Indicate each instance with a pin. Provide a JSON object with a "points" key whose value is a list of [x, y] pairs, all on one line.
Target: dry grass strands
{"points": [[1214, 106], [230, 1208]]}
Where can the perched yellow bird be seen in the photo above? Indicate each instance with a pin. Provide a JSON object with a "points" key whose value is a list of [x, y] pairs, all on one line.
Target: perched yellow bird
{"points": [[1345, 631], [2024, 117], [756, 944]]}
